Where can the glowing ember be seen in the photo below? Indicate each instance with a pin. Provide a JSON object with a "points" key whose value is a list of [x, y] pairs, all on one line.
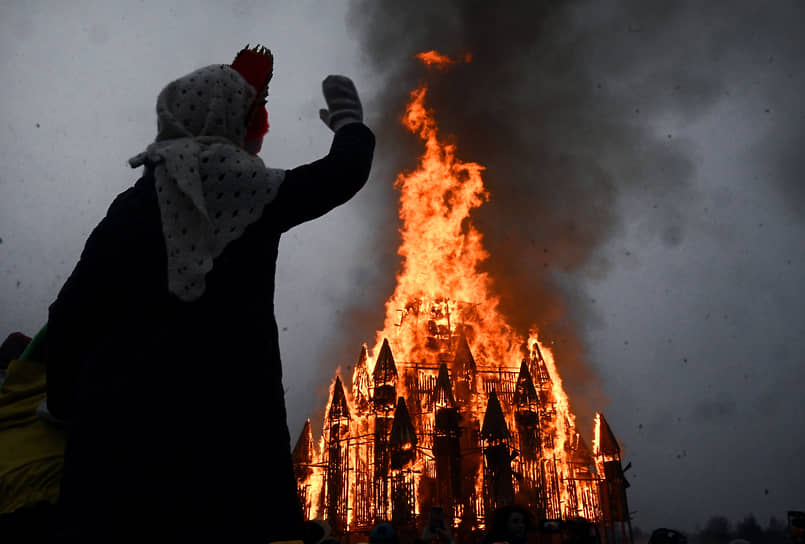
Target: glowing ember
{"points": [[451, 406], [434, 59]]}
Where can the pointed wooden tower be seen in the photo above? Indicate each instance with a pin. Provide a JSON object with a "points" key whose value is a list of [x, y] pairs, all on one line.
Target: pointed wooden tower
{"points": [[543, 385], [402, 439], [613, 484], [338, 402], [498, 455], [402, 448], [384, 398], [443, 392], [464, 371], [446, 444], [362, 450], [303, 451], [539, 370], [526, 420], [384, 378], [466, 382], [302, 464], [337, 435], [360, 382]]}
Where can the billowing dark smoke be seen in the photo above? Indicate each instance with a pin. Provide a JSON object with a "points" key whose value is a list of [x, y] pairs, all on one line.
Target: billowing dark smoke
{"points": [[563, 103], [543, 106]]}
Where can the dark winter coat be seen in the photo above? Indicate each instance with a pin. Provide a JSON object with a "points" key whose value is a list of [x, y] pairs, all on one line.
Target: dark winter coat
{"points": [[176, 409]]}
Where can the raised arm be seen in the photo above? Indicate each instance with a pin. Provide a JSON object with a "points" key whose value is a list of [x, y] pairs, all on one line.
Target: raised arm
{"points": [[311, 190]]}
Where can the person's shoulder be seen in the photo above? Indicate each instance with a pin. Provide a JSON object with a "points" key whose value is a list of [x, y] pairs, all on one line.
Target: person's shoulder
{"points": [[142, 190]]}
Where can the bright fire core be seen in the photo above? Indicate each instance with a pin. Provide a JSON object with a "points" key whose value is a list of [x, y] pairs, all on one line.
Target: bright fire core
{"points": [[451, 407]]}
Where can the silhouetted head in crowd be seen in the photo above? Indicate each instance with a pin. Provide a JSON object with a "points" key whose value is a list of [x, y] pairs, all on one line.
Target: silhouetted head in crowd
{"points": [[511, 524], [383, 533], [12, 348]]}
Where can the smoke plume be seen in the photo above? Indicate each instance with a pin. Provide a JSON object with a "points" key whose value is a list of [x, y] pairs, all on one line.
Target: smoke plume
{"points": [[553, 128], [564, 103]]}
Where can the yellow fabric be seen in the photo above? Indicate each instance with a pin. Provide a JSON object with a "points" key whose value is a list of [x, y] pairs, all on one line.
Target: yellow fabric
{"points": [[32, 452]]}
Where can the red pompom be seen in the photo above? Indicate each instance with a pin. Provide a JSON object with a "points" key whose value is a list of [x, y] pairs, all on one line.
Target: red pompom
{"points": [[255, 65]]}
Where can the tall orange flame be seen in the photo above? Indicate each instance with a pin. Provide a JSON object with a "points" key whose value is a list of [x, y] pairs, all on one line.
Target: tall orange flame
{"points": [[442, 252], [441, 299]]}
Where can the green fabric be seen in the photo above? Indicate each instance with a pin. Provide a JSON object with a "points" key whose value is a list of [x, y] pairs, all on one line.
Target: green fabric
{"points": [[34, 349], [32, 455]]}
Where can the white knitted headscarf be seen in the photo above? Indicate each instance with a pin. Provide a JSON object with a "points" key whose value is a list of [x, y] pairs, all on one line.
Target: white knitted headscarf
{"points": [[208, 187]]}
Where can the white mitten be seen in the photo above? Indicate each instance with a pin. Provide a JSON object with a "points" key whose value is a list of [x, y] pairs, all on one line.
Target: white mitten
{"points": [[344, 106]]}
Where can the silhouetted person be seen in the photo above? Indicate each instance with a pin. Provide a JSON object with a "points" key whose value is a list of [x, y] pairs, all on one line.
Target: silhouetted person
{"points": [[436, 530], [162, 345], [31, 447], [11, 348], [667, 536], [383, 533], [510, 524]]}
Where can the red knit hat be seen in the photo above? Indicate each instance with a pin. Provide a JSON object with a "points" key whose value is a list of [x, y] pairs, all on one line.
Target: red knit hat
{"points": [[256, 66]]}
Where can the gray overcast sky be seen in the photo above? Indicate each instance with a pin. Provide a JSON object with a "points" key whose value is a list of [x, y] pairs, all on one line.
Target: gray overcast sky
{"points": [[664, 137]]}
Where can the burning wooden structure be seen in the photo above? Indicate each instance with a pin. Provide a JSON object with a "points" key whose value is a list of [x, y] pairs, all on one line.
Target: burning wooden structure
{"points": [[467, 437], [451, 407]]}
